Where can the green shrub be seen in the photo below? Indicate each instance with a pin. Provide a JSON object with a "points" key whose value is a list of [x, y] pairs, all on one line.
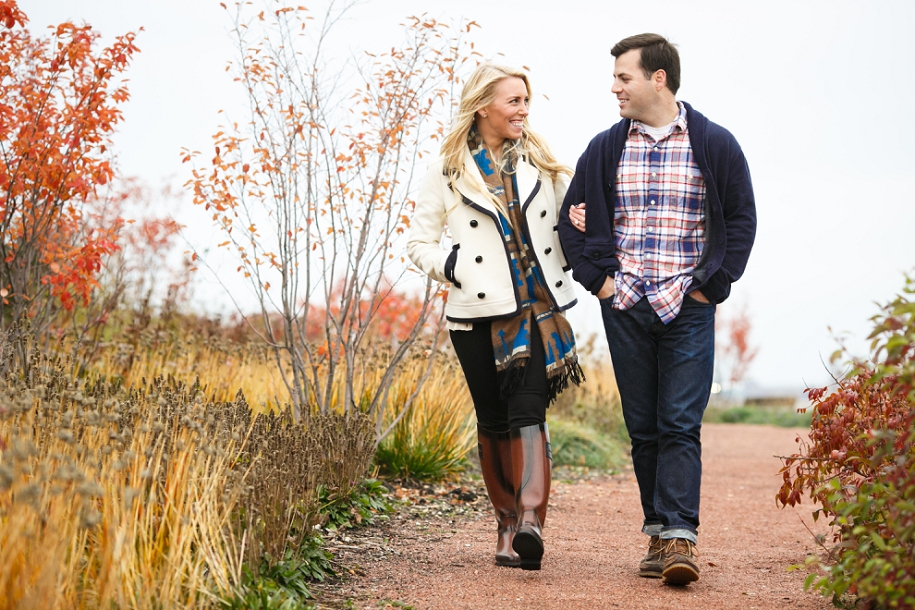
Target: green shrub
{"points": [[874, 559], [432, 439], [860, 468], [577, 444], [284, 584], [784, 418], [360, 507]]}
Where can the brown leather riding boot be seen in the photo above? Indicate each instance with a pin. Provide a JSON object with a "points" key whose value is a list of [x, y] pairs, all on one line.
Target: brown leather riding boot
{"points": [[531, 460], [496, 463]]}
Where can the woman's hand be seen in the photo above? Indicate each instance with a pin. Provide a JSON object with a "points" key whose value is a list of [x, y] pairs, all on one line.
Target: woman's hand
{"points": [[577, 216]]}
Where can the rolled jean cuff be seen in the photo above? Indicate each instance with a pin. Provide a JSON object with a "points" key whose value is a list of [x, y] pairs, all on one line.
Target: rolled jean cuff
{"points": [[653, 529], [678, 533]]}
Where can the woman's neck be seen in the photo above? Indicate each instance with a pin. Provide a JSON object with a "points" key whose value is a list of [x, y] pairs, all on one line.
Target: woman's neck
{"points": [[494, 146], [492, 141]]}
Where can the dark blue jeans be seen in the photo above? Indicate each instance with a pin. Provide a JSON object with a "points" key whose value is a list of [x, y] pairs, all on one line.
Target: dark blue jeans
{"points": [[664, 375]]}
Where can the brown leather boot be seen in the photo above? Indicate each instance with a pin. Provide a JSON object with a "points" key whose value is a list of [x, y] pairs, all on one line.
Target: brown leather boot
{"points": [[652, 565], [680, 565], [531, 460], [496, 463]]}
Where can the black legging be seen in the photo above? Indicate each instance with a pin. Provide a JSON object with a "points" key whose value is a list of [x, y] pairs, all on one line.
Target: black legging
{"points": [[526, 406]]}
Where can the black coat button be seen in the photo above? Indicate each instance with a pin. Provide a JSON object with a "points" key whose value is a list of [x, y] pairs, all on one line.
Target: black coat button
{"points": [[479, 259], [559, 283], [548, 250], [542, 213], [480, 295], [596, 256], [473, 223]]}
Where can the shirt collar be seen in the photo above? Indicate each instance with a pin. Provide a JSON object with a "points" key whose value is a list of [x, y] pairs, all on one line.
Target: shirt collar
{"points": [[679, 122]]}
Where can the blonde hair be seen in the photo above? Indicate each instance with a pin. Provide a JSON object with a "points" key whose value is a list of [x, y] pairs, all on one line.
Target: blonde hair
{"points": [[478, 92]]}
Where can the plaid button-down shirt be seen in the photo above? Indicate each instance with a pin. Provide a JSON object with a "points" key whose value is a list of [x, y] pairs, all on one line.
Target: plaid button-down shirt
{"points": [[659, 219]]}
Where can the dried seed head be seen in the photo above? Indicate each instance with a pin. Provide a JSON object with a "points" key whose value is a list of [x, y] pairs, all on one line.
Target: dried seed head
{"points": [[6, 477], [130, 494], [28, 494], [90, 489], [89, 518]]}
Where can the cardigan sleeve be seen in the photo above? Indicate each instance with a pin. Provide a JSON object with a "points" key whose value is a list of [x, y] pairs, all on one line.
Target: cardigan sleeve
{"points": [[739, 208], [590, 254]]}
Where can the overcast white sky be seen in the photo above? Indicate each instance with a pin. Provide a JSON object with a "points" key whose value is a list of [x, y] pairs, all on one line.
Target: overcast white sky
{"points": [[818, 92]]}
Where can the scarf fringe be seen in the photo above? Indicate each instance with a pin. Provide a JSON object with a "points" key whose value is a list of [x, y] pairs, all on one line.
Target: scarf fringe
{"points": [[570, 371], [511, 378]]}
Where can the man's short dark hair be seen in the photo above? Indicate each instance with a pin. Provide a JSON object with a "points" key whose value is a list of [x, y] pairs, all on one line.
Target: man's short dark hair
{"points": [[657, 54]]}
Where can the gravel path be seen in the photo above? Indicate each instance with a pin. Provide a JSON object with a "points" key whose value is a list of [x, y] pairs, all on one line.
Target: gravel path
{"points": [[593, 545]]}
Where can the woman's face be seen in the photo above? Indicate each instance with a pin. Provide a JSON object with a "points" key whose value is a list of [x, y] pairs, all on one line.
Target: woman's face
{"points": [[503, 118]]}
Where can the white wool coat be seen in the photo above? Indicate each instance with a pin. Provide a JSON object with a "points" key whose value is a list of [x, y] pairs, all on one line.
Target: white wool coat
{"points": [[484, 288]]}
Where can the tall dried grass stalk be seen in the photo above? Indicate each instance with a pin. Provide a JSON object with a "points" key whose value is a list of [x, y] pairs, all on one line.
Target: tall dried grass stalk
{"points": [[110, 498]]}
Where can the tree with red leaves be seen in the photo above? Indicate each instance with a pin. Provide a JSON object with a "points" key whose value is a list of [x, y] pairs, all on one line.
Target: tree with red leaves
{"points": [[58, 110]]}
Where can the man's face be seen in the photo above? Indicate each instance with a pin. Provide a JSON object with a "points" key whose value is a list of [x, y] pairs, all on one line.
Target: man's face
{"points": [[637, 95]]}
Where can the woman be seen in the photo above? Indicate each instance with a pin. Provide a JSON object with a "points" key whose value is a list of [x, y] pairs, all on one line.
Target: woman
{"points": [[499, 188]]}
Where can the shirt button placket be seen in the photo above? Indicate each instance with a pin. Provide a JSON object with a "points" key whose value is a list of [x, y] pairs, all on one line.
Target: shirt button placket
{"points": [[649, 247]]}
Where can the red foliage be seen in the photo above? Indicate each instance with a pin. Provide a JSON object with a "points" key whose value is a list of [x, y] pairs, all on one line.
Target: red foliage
{"points": [[860, 467], [734, 351], [846, 440], [391, 315], [59, 108]]}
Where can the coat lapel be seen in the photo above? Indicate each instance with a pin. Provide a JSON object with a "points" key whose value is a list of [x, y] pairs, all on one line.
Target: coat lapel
{"points": [[471, 184], [526, 177]]}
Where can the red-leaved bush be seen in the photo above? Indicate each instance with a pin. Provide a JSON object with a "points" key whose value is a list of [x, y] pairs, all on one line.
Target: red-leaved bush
{"points": [[859, 467]]}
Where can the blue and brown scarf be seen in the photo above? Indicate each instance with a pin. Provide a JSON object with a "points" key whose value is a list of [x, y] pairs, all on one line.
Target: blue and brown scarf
{"points": [[511, 337]]}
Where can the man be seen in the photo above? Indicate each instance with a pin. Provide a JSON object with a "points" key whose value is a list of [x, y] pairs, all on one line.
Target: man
{"points": [[671, 220]]}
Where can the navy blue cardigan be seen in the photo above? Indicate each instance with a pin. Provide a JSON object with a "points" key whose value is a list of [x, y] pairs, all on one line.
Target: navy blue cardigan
{"points": [[730, 209]]}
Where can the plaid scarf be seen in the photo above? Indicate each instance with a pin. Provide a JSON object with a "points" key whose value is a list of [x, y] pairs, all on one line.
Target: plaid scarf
{"points": [[511, 337]]}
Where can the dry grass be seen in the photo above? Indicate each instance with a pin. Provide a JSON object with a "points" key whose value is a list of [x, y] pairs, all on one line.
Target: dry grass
{"points": [[151, 496], [595, 403], [113, 498], [227, 366]]}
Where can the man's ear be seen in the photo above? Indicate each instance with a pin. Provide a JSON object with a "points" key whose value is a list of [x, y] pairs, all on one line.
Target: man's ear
{"points": [[659, 78]]}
